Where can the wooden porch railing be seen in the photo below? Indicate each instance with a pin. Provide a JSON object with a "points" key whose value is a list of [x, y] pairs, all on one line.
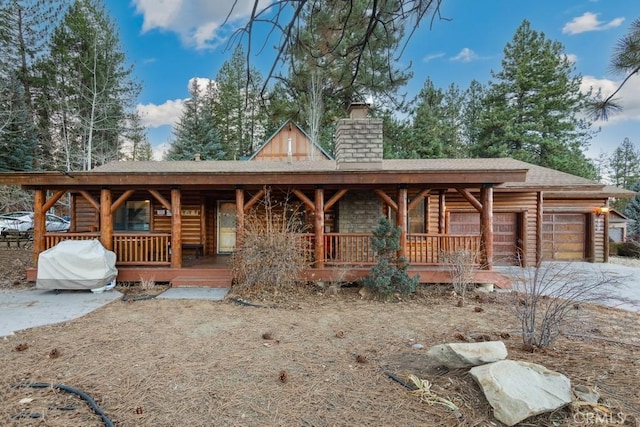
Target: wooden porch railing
{"points": [[431, 249], [145, 249], [142, 248], [422, 249]]}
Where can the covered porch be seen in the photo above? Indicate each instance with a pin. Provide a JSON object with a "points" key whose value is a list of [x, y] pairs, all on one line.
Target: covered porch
{"points": [[168, 256]]}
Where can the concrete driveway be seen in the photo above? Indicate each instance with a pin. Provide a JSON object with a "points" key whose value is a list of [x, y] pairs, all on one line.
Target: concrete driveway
{"points": [[28, 308], [628, 279]]}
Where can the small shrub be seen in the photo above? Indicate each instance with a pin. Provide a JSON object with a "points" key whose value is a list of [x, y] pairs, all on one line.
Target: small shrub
{"points": [[548, 293], [390, 274], [271, 254], [630, 249], [461, 263], [147, 283]]}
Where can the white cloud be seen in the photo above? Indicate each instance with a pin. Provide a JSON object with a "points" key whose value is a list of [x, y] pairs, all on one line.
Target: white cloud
{"points": [[589, 22], [628, 97], [571, 57], [159, 150], [203, 82], [465, 55], [196, 21], [154, 116], [433, 56]]}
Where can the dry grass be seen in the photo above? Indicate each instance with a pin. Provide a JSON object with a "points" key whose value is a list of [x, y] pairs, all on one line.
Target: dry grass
{"points": [[316, 359]]}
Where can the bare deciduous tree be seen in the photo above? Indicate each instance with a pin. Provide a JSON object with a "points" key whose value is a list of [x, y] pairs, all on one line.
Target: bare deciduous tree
{"points": [[548, 293], [285, 19]]}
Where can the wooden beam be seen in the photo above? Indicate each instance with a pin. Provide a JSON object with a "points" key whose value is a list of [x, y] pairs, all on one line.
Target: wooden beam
{"points": [[441, 212], [239, 216], [421, 195], [335, 198], [300, 195], [318, 227], [256, 197], [401, 219], [39, 197], [386, 199], [176, 229], [53, 199], [539, 221], [90, 199], [486, 225], [165, 203], [106, 219], [469, 197], [123, 198]]}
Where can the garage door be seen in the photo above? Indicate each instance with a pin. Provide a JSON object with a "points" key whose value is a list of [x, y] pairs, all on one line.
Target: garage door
{"points": [[564, 236], [505, 233]]}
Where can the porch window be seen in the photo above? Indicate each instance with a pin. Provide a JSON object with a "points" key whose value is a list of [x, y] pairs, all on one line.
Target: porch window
{"points": [[415, 218], [133, 216]]}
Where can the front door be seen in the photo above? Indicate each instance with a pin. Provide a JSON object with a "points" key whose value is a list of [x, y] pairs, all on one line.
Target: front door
{"points": [[226, 227]]}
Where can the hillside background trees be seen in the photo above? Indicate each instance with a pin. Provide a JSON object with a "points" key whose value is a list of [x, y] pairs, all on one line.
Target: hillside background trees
{"points": [[67, 93]]}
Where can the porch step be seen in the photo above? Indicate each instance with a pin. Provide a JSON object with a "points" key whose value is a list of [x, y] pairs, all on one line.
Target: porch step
{"points": [[219, 281]]}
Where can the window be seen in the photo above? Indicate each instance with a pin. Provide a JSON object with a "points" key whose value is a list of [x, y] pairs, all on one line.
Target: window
{"points": [[133, 216]]}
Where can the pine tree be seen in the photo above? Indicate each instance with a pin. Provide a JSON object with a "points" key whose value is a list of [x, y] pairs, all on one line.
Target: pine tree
{"points": [[238, 107], [88, 88], [18, 136], [195, 132], [533, 105], [624, 164], [437, 125], [632, 211], [325, 65], [390, 274]]}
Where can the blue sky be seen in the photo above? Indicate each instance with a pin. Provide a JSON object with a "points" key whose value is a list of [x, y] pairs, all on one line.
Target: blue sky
{"points": [[170, 42]]}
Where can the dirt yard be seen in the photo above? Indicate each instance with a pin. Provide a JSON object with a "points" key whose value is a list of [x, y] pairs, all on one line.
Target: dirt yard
{"points": [[311, 357]]}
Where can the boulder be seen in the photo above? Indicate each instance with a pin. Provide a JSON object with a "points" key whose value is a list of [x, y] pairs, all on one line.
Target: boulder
{"points": [[465, 355], [519, 390]]}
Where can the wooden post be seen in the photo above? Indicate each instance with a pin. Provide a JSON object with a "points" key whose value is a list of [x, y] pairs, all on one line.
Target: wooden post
{"points": [[176, 229], [486, 224], [239, 215], [539, 221], [441, 212], [401, 219], [106, 219], [318, 227], [606, 234], [38, 224]]}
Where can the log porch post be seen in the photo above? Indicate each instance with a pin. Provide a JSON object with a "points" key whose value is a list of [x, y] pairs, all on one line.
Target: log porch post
{"points": [[106, 219], [486, 224], [441, 212], [38, 223], [176, 229], [318, 227], [401, 219], [605, 256], [539, 221], [239, 215]]}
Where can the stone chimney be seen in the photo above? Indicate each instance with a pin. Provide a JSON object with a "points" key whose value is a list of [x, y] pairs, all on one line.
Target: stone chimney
{"points": [[359, 140]]}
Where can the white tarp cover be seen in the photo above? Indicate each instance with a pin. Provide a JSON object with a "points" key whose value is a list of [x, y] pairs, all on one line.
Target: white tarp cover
{"points": [[76, 264]]}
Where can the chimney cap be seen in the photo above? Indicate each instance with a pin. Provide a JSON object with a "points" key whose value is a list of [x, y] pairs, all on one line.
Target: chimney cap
{"points": [[359, 110]]}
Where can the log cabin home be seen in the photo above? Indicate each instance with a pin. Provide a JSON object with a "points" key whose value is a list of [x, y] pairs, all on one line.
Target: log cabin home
{"points": [[178, 221]]}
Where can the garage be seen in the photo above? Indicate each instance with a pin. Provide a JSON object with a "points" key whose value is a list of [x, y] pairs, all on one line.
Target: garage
{"points": [[564, 236], [505, 232]]}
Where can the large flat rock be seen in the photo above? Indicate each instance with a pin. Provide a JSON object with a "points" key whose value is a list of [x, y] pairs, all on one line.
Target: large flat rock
{"points": [[519, 390]]}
